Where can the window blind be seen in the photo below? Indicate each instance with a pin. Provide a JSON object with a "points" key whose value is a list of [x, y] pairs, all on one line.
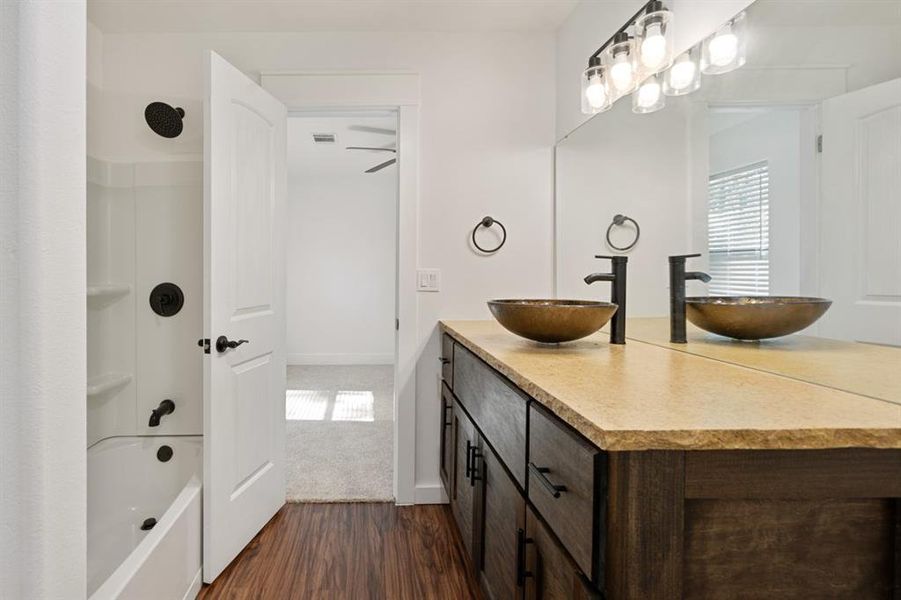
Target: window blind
{"points": [[738, 231]]}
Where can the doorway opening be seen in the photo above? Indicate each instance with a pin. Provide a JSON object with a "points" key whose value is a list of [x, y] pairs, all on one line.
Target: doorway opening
{"points": [[342, 214]]}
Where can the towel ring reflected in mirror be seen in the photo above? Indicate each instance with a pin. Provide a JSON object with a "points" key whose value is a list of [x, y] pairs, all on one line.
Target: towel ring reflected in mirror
{"points": [[487, 222], [619, 221]]}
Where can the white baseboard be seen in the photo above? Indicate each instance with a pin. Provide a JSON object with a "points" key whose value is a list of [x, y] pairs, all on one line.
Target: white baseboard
{"points": [[430, 494], [340, 359]]}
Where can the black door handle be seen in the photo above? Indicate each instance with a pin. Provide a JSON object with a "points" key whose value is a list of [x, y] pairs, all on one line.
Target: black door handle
{"points": [[223, 343]]}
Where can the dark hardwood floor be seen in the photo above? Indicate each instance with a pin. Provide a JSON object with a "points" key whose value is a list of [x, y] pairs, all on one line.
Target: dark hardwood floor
{"points": [[353, 551]]}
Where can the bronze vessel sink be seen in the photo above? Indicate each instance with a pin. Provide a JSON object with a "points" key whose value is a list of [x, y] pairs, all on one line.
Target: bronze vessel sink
{"points": [[552, 321], [754, 317]]}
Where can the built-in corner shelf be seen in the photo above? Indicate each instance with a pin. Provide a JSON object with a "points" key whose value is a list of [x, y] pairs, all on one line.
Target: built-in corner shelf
{"points": [[107, 383], [102, 295]]}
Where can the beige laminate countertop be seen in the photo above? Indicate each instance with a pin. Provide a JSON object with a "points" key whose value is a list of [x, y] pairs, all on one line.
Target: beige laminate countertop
{"points": [[642, 396], [865, 369]]}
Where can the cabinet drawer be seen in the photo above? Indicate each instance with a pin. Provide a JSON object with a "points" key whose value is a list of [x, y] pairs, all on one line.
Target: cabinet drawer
{"points": [[567, 483], [498, 409], [447, 360]]}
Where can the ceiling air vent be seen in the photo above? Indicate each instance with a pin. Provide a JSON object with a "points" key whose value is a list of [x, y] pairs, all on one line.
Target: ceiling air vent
{"points": [[324, 138]]}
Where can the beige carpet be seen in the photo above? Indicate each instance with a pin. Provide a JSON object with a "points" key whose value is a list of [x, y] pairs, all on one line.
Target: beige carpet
{"points": [[340, 433]]}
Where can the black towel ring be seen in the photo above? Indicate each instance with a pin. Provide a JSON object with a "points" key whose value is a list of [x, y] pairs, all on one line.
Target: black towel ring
{"points": [[486, 223], [621, 220]]}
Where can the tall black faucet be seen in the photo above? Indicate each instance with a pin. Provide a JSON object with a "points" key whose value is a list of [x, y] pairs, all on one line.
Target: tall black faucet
{"points": [[166, 407], [617, 279], [677, 279]]}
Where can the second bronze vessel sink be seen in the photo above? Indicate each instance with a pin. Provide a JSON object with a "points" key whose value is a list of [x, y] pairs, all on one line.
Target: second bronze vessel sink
{"points": [[754, 317], [552, 321]]}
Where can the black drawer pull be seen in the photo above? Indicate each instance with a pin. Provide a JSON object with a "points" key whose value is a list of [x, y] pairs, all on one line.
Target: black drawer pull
{"points": [[541, 474], [469, 449], [444, 361], [521, 573], [474, 474]]}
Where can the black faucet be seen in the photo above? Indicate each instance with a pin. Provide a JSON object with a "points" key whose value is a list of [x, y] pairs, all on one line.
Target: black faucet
{"points": [[166, 407], [677, 279], [617, 278]]}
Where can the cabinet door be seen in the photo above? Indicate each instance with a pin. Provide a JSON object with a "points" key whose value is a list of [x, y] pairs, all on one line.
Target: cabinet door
{"points": [[462, 500], [447, 440], [503, 515], [549, 573]]}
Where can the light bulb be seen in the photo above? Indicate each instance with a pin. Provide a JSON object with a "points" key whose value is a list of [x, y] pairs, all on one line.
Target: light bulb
{"points": [[622, 73], [653, 47], [649, 93], [723, 48], [595, 92], [682, 74]]}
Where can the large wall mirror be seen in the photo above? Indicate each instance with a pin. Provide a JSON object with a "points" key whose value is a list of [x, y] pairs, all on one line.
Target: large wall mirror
{"points": [[785, 174]]}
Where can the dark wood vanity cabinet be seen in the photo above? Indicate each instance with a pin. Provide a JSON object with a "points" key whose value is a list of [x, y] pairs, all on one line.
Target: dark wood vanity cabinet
{"points": [[503, 517], [486, 473], [546, 514], [463, 490], [446, 442], [547, 571]]}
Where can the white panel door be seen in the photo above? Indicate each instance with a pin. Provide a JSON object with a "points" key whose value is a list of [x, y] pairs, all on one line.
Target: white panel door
{"points": [[244, 271], [860, 215]]}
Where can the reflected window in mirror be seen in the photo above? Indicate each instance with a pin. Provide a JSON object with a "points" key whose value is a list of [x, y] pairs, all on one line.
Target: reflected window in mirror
{"points": [[738, 231]]}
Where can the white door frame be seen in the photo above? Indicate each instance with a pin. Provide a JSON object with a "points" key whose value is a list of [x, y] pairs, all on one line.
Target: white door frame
{"points": [[367, 90]]}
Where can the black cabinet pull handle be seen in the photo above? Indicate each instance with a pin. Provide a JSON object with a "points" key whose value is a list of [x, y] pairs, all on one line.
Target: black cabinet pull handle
{"points": [[223, 343], [521, 573], [469, 448], [448, 419], [444, 361], [540, 473], [474, 474]]}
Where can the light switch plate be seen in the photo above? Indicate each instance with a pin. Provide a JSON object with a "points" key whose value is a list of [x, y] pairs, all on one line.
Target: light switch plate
{"points": [[428, 280]]}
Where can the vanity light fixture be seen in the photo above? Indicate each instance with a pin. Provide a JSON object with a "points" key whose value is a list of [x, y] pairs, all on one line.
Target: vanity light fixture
{"points": [[638, 60], [684, 76], [596, 95], [621, 64], [654, 38], [649, 96], [724, 51]]}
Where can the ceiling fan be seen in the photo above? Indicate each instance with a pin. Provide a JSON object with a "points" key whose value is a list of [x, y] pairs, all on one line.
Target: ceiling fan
{"points": [[381, 131]]}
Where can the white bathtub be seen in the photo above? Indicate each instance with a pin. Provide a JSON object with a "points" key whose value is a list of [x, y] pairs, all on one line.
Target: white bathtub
{"points": [[127, 484]]}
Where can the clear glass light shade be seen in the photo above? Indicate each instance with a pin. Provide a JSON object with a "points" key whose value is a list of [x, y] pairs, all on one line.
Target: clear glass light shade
{"points": [[654, 41], [622, 67], [684, 76], [649, 96], [724, 51], [596, 96]]}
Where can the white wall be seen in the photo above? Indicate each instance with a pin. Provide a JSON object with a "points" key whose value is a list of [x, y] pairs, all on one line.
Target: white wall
{"points": [[341, 243], [486, 134], [629, 164], [42, 300]]}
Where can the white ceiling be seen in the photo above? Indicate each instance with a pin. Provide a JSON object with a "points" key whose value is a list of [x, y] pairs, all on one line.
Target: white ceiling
{"points": [[308, 159], [179, 16]]}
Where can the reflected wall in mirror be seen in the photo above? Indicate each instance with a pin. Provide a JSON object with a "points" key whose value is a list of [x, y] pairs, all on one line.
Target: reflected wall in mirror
{"points": [[784, 174]]}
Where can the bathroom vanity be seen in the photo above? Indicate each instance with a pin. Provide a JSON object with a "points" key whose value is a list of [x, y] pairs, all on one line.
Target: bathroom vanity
{"points": [[591, 470]]}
